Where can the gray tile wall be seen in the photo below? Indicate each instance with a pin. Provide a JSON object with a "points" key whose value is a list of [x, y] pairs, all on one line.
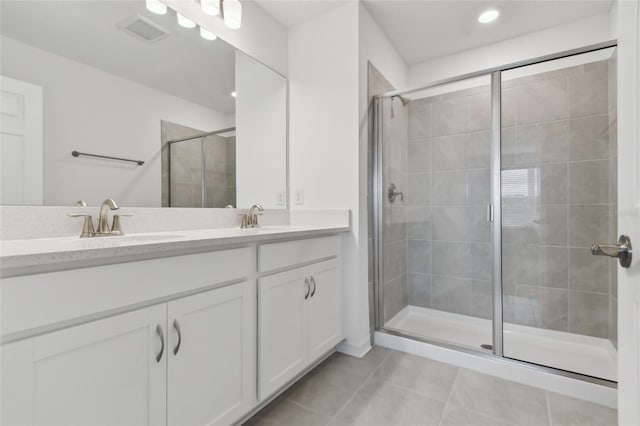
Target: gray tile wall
{"points": [[394, 226], [557, 198], [186, 180], [448, 246], [558, 189], [613, 196]]}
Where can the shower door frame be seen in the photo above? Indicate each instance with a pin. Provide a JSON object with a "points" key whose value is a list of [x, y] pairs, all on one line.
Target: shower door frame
{"points": [[495, 74]]}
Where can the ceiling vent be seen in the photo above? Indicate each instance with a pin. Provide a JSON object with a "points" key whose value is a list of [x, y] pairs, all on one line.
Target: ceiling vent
{"points": [[143, 29]]}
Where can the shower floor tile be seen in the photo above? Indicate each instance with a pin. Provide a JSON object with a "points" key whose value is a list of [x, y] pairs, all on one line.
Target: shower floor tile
{"points": [[379, 390]]}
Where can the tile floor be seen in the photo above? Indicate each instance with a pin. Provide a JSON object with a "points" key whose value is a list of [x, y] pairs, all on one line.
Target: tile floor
{"points": [[389, 388]]}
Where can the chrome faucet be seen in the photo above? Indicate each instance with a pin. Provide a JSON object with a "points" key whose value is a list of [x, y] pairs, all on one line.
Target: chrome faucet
{"points": [[103, 221]]}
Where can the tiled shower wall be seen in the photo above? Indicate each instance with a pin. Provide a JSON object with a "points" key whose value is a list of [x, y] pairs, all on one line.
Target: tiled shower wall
{"points": [[186, 179], [558, 180], [613, 195], [394, 228]]}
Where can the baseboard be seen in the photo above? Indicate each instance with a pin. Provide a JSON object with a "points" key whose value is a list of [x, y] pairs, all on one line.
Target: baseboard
{"points": [[357, 349]]}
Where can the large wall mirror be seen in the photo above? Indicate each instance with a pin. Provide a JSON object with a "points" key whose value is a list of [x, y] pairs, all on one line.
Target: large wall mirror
{"points": [[82, 81]]}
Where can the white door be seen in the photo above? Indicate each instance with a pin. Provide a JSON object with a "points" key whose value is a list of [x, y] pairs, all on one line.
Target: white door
{"points": [[325, 309], [210, 356], [21, 156], [282, 324], [106, 372], [629, 210]]}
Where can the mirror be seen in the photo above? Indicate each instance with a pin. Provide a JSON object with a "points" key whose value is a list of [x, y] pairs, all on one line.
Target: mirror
{"points": [[154, 114]]}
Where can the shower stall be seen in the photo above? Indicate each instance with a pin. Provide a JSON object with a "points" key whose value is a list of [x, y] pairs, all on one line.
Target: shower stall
{"points": [[199, 170], [488, 191]]}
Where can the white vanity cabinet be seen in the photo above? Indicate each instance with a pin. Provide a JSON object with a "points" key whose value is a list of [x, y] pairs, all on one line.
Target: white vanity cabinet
{"points": [[299, 309], [105, 372], [184, 360], [210, 356]]}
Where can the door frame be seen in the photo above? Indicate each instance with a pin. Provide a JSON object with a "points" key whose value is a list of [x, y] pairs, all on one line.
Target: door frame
{"points": [[496, 225]]}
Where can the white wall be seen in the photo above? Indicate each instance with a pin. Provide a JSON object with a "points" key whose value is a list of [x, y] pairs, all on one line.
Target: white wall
{"points": [[261, 135], [580, 33], [260, 36], [88, 110], [323, 140]]}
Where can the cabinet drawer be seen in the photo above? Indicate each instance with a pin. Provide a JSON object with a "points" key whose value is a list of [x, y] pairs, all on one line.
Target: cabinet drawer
{"points": [[40, 300], [292, 253]]}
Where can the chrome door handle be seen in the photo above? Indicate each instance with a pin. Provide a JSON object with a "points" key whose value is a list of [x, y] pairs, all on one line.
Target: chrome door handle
{"points": [[160, 334], [308, 288], [622, 250], [313, 281], [176, 325]]}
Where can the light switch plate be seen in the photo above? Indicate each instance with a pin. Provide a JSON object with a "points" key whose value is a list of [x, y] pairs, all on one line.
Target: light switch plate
{"points": [[299, 197]]}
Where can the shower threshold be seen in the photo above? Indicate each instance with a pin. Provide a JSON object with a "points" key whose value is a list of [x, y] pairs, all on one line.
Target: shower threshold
{"points": [[591, 356]]}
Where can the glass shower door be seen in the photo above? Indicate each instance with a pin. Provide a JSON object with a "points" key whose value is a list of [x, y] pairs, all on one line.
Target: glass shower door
{"points": [[558, 189], [434, 239]]}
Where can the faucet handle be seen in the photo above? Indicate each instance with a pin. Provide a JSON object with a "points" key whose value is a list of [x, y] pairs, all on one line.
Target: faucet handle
{"points": [[87, 226], [244, 221], [116, 227]]}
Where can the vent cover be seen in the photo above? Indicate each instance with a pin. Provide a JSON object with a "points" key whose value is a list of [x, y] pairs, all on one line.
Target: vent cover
{"points": [[143, 29]]}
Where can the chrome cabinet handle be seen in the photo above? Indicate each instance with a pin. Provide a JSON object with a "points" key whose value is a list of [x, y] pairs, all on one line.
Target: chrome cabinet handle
{"points": [[622, 250], [160, 334], [176, 325], [313, 281], [308, 287]]}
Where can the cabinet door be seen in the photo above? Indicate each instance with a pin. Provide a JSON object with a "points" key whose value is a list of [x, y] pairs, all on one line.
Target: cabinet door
{"points": [[325, 308], [282, 328], [104, 372], [210, 353]]}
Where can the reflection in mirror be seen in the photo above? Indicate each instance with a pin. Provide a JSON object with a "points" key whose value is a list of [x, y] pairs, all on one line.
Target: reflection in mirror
{"points": [[112, 79]]}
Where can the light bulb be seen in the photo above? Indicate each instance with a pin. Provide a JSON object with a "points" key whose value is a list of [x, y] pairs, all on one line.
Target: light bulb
{"points": [[234, 94], [185, 22], [232, 11], [156, 7], [210, 7], [488, 16], [207, 35]]}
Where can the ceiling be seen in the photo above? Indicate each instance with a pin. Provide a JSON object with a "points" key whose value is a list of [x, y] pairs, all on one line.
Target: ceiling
{"points": [[182, 63], [423, 30], [293, 12]]}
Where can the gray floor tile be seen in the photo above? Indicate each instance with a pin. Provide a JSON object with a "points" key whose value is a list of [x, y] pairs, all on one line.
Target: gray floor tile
{"points": [[361, 367], [325, 390], [282, 412], [379, 403], [458, 416], [430, 378], [567, 411], [507, 401]]}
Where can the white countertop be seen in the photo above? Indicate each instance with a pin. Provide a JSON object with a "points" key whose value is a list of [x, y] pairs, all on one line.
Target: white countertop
{"points": [[31, 256]]}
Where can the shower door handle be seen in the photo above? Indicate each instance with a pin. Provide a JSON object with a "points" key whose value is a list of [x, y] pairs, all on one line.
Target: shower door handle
{"points": [[622, 250]]}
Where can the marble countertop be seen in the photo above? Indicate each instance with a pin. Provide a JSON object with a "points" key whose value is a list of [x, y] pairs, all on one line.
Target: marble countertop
{"points": [[32, 256]]}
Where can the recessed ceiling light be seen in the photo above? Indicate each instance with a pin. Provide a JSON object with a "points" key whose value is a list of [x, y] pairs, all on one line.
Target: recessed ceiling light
{"points": [[234, 94], [487, 16]]}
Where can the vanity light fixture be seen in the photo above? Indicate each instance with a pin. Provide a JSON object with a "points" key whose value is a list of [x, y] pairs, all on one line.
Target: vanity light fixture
{"points": [[232, 13], [210, 7], [156, 7], [207, 35], [185, 22], [488, 16]]}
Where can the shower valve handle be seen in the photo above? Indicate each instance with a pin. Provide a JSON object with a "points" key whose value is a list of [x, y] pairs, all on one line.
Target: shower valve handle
{"points": [[393, 193]]}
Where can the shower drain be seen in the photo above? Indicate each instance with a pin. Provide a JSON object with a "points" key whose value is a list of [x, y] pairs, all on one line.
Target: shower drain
{"points": [[487, 346]]}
